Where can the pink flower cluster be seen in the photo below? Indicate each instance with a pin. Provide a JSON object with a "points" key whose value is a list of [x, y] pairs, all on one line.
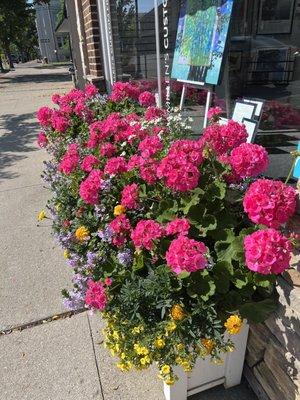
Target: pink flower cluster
{"points": [[146, 99], [188, 150], [89, 162], [145, 232], [90, 187], [95, 296], [179, 226], [123, 90], [60, 123], [120, 227], [214, 113], [154, 113], [107, 150], [130, 196], [178, 174], [223, 138], [270, 203], [115, 166], [249, 160], [42, 140], [150, 146], [44, 115], [186, 254], [70, 160], [267, 252]]}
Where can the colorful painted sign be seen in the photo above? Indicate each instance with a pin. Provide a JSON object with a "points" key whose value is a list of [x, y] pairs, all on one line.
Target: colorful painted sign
{"points": [[201, 40], [296, 173]]}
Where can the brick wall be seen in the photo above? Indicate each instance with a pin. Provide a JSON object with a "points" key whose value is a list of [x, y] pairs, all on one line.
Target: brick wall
{"points": [[92, 40]]}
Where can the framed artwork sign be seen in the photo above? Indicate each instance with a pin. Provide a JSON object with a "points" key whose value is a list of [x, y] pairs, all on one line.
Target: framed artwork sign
{"points": [[201, 41], [275, 16], [296, 172], [251, 128], [243, 110]]}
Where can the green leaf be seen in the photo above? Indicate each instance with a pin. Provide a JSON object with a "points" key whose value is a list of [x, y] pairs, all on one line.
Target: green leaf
{"points": [[258, 311], [196, 214], [202, 285], [167, 210], [230, 249], [264, 281], [208, 223], [192, 200], [222, 273], [138, 261], [183, 275], [216, 190]]}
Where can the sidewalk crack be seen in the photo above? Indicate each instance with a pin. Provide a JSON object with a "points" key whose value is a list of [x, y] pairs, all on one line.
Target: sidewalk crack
{"points": [[41, 321]]}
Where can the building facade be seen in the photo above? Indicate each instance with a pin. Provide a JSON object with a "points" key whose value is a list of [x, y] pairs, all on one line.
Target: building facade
{"points": [[121, 40], [54, 47]]}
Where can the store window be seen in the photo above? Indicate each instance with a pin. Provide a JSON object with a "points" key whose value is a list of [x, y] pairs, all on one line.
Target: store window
{"points": [[264, 59], [263, 54]]}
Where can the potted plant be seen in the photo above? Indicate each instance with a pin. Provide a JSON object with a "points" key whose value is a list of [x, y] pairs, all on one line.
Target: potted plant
{"points": [[176, 241]]}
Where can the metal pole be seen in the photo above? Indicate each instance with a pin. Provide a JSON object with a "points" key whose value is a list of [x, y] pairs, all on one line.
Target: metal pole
{"points": [[158, 63], [207, 106], [183, 93]]}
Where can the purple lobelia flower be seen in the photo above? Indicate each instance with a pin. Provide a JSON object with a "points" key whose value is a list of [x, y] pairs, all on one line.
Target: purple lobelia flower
{"points": [[75, 300], [125, 257], [106, 234]]}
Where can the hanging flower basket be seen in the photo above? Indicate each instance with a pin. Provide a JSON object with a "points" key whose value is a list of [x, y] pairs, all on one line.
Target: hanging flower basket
{"points": [[175, 241]]}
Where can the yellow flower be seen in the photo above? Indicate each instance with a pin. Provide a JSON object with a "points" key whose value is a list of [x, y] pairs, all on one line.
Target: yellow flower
{"points": [[41, 215], [208, 344], [165, 369], [177, 312], [119, 210], [140, 350], [171, 326], [145, 360], [233, 324], [123, 356], [186, 366], [218, 361], [179, 360], [82, 233], [66, 254], [159, 343], [123, 366], [58, 207], [116, 335], [170, 381], [180, 346], [137, 329]]}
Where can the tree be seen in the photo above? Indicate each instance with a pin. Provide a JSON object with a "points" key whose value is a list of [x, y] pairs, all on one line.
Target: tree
{"points": [[17, 26]]}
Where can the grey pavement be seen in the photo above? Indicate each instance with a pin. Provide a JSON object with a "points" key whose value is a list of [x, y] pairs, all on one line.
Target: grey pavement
{"points": [[63, 359]]}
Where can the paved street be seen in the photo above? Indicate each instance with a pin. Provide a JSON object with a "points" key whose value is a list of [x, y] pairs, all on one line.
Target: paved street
{"points": [[53, 358]]}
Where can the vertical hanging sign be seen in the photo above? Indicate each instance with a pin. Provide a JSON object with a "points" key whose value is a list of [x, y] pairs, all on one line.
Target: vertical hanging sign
{"points": [[166, 44], [110, 42]]}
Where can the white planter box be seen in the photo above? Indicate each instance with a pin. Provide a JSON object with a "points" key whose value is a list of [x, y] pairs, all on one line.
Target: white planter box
{"points": [[206, 375]]}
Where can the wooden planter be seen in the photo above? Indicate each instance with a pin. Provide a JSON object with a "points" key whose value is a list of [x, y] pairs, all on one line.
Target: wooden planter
{"points": [[206, 375]]}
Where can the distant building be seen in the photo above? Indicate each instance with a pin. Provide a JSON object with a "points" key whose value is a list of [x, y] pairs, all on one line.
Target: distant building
{"points": [[55, 47]]}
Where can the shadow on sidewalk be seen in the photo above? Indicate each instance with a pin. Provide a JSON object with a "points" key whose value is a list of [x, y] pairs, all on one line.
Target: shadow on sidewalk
{"points": [[37, 78], [18, 137]]}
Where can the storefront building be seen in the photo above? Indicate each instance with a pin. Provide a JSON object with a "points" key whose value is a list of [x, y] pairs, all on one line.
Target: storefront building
{"points": [[135, 40]]}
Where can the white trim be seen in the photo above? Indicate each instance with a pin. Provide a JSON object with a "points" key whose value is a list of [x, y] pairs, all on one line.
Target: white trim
{"points": [[158, 62], [80, 35], [107, 43]]}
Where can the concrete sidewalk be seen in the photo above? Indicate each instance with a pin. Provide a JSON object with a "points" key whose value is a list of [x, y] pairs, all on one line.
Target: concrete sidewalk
{"points": [[60, 359]]}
